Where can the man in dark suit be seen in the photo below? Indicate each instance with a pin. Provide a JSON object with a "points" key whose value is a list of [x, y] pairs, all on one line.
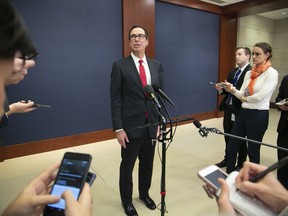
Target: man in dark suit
{"points": [[282, 129], [131, 108], [231, 105]]}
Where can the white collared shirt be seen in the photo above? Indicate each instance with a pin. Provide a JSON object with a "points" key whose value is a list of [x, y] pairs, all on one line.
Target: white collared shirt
{"points": [[145, 64]]}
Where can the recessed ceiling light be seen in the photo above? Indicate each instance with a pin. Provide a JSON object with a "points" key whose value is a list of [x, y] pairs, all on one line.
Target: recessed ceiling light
{"points": [[283, 13]]}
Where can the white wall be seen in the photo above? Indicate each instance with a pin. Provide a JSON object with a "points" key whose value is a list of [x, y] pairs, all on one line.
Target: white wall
{"points": [[254, 29]]}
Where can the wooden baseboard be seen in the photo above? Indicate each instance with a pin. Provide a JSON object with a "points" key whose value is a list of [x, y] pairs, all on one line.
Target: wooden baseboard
{"points": [[19, 150]]}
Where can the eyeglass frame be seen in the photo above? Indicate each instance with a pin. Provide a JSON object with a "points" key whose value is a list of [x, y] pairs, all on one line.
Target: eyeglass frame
{"points": [[140, 36]]}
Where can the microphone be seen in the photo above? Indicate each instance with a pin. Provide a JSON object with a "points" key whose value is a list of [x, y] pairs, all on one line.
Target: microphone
{"points": [[150, 91], [158, 89], [202, 130]]}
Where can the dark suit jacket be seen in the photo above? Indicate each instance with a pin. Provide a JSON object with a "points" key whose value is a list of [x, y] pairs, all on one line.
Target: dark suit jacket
{"points": [[236, 103], [283, 93], [129, 102]]}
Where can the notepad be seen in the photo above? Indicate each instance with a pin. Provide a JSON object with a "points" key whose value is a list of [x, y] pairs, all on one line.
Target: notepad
{"points": [[250, 206]]}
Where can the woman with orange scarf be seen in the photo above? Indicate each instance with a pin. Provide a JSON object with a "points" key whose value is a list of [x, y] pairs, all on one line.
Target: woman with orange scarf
{"points": [[255, 94]]}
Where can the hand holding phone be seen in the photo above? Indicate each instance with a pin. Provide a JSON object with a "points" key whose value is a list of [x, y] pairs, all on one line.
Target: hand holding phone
{"points": [[71, 175], [41, 105], [31, 56], [210, 176], [220, 84]]}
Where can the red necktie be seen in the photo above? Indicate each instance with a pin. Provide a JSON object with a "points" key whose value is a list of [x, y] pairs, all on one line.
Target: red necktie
{"points": [[143, 79], [142, 73]]}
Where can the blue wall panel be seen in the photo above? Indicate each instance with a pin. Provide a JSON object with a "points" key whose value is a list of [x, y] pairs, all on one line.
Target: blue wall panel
{"points": [[187, 44], [78, 41]]}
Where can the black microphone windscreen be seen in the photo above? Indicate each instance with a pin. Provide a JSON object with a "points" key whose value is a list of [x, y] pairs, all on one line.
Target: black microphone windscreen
{"points": [[197, 123], [149, 89]]}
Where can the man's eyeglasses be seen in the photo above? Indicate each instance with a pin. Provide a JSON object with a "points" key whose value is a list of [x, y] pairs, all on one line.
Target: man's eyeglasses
{"points": [[134, 36]]}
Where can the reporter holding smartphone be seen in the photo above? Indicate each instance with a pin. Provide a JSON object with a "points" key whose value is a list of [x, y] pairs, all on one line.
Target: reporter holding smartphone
{"points": [[255, 94], [231, 105]]}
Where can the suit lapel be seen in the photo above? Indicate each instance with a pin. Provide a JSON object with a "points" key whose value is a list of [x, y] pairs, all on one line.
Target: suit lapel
{"points": [[241, 78], [133, 72], [153, 69]]}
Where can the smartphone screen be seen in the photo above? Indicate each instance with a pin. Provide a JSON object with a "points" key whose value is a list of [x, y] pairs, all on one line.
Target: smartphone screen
{"points": [[72, 175], [211, 174], [213, 177]]}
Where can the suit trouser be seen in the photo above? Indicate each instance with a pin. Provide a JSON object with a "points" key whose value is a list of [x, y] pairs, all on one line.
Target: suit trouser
{"points": [[282, 141], [252, 124], [144, 150], [228, 125]]}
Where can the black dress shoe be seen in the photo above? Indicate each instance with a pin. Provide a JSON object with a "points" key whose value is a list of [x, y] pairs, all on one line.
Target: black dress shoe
{"points": [[129, 209], [148, 202], [221, 164]]}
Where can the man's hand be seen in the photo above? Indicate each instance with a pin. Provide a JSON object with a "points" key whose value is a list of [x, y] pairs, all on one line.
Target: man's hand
{"points": [[283, 107], [122, 138]]}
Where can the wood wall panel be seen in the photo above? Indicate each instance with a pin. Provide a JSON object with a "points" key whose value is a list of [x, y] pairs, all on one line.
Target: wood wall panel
{"points": [[76, 140], [56, 143], [196, 4], [228, 43], [139, 12]]}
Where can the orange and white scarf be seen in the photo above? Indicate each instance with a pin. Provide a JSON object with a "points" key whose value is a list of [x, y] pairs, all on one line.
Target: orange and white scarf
{"points": [[255, 73]]}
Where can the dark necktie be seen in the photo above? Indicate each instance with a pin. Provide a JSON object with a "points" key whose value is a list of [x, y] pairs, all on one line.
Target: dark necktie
{"points": [[234, 82], [236, 76], [142, 73]]}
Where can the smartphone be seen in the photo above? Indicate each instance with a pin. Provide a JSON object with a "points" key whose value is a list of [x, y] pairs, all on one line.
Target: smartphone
{"points": [[71, 175], [90, 178], [221, 84], [211, 174], [41, 105], [33, 55]]}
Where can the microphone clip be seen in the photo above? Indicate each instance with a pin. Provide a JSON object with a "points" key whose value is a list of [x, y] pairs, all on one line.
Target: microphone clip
{"points": [[203, 133]]}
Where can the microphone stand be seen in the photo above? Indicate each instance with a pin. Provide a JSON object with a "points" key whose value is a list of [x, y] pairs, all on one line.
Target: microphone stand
{"points": [[163, 138], [217, 131]]}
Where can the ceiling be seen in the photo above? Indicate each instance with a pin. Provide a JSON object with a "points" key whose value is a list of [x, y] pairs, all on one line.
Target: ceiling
{"points": [[274, 15]]}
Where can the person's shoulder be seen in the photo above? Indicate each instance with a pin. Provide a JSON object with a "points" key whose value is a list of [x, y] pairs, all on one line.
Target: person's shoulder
{"points": [[154, 61], [272, 70], [248, 67], [285, 77], [233, 71]]}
